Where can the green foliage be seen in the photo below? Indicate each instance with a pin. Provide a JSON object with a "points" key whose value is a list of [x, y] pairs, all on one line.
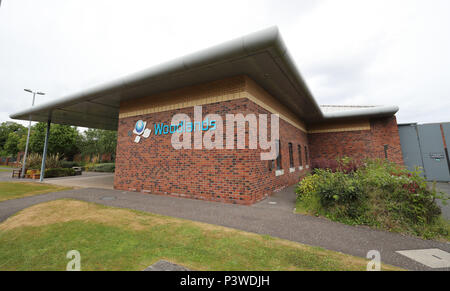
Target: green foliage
{"points": [[64, 139], [106, 167], [379, 194], [34, 161], [59, 172], [69, 164], [11, 134], [95, 142], [11, 144]]}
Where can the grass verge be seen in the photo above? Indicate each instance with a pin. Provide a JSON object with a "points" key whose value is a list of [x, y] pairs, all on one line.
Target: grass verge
{"points": [[108, 238], [14, 190]]}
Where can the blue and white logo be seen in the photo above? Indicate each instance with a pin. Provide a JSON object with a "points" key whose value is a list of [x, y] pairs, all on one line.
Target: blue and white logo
{"points": [[140, 126], [141, 130]]}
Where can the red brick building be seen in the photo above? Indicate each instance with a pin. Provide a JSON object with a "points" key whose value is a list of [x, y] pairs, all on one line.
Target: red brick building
{"points": [[252, 76]]}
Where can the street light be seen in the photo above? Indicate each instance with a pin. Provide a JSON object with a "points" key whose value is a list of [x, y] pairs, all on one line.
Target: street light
{"points": [[29, 129]]}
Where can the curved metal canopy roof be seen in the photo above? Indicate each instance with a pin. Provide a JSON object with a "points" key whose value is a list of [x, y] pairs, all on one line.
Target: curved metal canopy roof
{"points": [[261, 55]]}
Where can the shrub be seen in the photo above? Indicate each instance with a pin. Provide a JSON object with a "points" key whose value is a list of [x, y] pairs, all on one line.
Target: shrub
{"points": [[405, 194], [107, 167], [378, 193], [340, 195], [345, 165], [34, 161], [69, 164], [59, 172], [53, 161]]}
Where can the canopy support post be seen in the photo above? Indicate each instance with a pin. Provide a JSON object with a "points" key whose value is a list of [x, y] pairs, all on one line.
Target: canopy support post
{"points": [[44, 154]]}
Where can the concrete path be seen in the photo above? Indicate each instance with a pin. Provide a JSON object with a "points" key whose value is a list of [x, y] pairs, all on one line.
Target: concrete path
{"points": [[264, 218], [86, 180]]}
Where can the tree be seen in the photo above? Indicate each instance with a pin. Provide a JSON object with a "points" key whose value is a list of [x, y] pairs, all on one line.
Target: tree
{"points": [[22, 143], [11, 144], [98, 141], [64, 139], [108, 141], [8, 127]]}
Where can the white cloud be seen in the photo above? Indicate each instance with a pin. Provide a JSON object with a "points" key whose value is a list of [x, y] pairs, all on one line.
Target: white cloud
{"points": [[350, 52]]}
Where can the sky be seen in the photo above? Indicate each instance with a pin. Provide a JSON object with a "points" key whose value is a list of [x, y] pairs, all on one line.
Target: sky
{"points": [[351, 52]]}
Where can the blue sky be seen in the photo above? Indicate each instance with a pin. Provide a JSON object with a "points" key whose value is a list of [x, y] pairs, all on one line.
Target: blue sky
{"points": [[349, 51]]}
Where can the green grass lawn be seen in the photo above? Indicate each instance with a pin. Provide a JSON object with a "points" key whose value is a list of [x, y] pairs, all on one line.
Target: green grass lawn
{"points": [[108, 238], [13, 190], [6, 169]]}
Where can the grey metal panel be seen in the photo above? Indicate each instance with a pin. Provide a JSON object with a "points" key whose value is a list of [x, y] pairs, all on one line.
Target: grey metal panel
{"points": [[409, 141], [432, 147], [446, 128]]}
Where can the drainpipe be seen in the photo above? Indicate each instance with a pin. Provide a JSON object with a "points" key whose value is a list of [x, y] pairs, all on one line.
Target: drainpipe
{"points": [[44, 154]]}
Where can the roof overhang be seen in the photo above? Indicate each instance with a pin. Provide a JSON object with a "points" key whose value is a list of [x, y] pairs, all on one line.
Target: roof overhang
{"points": [[261, 55]]}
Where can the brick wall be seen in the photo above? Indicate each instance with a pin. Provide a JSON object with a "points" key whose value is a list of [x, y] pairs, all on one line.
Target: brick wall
{"points": [[265, 181], [359, 144], [234, 176]]}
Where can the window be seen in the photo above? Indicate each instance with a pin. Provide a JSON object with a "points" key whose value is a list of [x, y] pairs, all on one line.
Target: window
{"points": [[279, 167], [291, 156], [271, 164], [300, 162], [306, 155]]}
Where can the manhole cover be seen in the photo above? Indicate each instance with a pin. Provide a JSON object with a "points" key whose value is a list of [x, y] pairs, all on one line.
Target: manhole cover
{"points": [[108, 198], [163, 265], [433, 258]]}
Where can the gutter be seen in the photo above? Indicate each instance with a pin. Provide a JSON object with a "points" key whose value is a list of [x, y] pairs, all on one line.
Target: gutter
{"points": [[377, 111]]}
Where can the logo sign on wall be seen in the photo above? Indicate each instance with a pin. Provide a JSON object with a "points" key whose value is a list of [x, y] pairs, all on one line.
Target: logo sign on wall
{"points": [[141, 130]]}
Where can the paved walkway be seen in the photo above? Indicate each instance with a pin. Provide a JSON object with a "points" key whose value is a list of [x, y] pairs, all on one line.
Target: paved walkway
{"points": [[264, 218], [86, 180]]}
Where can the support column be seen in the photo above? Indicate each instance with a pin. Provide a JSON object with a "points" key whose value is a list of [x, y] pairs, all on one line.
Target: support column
{"points": [[44, 154]]}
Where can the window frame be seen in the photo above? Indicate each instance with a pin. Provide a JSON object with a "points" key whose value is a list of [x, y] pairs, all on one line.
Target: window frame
{"points": [[279, 165], [291, 155], [300, 159], [306, 155]]}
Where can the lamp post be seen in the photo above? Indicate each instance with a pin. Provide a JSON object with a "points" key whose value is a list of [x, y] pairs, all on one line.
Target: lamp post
{"points": [[29, 129]]}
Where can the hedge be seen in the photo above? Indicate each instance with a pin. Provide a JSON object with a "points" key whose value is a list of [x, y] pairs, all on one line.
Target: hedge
{"points": [[107, 167], [59, 172], [69, 164]]}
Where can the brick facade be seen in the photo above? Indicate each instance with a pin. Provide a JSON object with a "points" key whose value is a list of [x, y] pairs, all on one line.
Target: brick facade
{"points": [[233, 175], [225, 175], [359, 144]]}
